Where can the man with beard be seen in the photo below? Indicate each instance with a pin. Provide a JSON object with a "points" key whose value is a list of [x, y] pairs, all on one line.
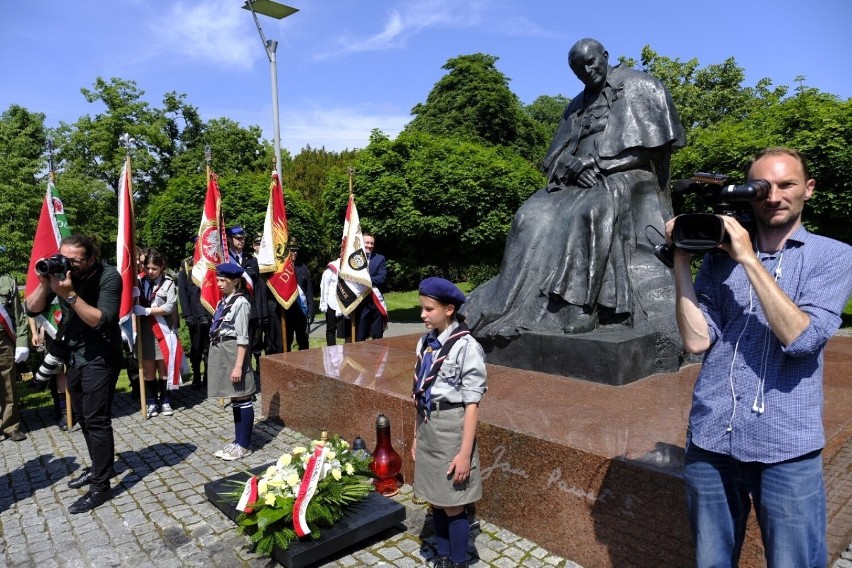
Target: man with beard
{"points": [[89, 342]]}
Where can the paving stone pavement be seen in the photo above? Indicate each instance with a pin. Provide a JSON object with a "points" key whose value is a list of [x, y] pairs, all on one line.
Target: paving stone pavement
{"points": [[159, 516]]}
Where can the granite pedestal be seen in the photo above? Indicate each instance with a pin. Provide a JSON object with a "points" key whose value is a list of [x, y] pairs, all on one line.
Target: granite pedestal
{"points": [[590, 471], [362, 520], [614, 356]]}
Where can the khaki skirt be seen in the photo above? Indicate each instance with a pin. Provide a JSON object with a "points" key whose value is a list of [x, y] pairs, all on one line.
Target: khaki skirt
{"points": [[438, 442], [220, 361]]}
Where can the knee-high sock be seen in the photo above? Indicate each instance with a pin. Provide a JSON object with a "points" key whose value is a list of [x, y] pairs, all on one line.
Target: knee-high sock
{"points": [[459, 536], [243, 422], [164, 392], [442, 532]]}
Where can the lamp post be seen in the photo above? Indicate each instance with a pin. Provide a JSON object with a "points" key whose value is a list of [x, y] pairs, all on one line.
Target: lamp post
{"points": [[279, 12]]}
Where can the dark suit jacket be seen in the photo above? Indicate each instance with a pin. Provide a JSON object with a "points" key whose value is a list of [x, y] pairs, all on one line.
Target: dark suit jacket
{"points": [[378, 271]]}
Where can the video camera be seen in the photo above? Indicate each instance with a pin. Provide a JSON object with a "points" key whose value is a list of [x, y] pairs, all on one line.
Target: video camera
{"points": [[701, 232], [56, 264]]}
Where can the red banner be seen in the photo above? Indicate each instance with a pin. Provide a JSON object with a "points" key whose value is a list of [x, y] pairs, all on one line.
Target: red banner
{"points": [[211, 248], [274, 254]]}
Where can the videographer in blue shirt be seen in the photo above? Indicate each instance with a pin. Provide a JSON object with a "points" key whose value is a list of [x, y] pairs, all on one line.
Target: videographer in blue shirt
{"points": [[761, 314]]}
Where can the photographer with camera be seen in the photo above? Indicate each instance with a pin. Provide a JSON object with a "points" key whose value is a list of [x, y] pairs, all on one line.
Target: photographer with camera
{"points": [[13, 350], [762, 314], [89, 343]]}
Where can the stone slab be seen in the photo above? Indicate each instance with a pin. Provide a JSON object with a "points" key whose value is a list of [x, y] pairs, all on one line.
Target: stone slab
{"points": [[610, 356], [362, 520], [590, 471]]}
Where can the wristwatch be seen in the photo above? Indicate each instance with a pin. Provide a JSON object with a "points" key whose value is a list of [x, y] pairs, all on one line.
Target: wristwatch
{"points": [[71, 299]]}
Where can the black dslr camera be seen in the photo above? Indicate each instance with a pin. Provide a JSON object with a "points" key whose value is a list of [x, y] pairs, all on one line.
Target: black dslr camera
{"points": [[701, 232], [56, 264]]}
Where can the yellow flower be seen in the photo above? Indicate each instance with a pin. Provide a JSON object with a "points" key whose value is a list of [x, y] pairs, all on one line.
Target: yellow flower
{"points": [[349, 469], [315, 443], [275, 483], [284, 460], [330, 455], [262, 487], [335, 473], [270, 471], [298, 450], [293, 479], [270, 499], [344, 444]]}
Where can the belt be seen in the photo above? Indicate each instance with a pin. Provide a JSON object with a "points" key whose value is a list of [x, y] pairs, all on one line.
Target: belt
{"points": [[441, 405]]}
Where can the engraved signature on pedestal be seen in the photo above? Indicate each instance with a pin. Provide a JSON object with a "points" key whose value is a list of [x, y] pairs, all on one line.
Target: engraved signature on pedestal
{"points": [[503, 466], [604, 496]]}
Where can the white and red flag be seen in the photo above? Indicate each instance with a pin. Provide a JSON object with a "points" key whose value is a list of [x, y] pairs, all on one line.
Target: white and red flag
{"points": [[274, 254], [52, 228], [211, 248], [125, 249], [353, 281]]}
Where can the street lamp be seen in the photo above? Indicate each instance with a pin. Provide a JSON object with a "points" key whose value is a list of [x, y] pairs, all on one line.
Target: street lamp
{"points": [[279, 12]]}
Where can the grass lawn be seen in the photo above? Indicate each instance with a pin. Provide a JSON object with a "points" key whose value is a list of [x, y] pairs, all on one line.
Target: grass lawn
{"points": [[405, 306]]}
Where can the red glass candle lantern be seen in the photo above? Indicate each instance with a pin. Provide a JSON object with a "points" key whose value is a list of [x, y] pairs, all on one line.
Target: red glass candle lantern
{"points": [[386, 463]]}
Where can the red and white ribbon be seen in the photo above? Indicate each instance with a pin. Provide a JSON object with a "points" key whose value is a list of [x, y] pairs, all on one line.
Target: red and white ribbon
{"points": [[313, 473]]}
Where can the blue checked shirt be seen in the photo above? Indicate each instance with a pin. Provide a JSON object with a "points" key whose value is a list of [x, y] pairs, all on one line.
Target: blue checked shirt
{"points": [[816, 273]]}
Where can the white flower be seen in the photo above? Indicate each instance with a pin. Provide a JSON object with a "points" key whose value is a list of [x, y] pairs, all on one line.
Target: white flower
{"points": [[335, 473], [349, 469], [262, 487], [270, 499], [271, 471], [299, 450], [330, 455], [284, 460], [292, 480]]}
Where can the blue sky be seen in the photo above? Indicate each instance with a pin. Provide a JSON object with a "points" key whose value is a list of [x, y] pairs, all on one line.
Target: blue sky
{"points": [[348, 66]]}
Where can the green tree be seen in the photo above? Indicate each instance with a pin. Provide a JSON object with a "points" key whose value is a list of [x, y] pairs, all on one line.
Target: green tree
{"points": [[473, 102], [22, 141], [436, 204], [307, 173], [547, 112]]}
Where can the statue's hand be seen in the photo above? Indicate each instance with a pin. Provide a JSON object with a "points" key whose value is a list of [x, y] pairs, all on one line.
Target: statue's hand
{"points": [[574, 165], [587, 179]]}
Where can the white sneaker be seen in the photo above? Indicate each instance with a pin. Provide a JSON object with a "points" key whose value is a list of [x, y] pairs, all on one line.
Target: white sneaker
{"points": [[166, 409], [152, 410], [223, 451], [236, 452]]}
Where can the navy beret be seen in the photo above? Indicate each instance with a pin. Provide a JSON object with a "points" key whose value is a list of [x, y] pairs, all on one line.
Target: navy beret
{"points": [[229, 270], [236, 231], [442, 290]]}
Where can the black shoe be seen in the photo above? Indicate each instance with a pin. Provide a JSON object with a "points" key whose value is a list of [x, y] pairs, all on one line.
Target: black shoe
{"points": [[63, 423], [451, 564], [17, 436], [89, 501], [82, 480]]}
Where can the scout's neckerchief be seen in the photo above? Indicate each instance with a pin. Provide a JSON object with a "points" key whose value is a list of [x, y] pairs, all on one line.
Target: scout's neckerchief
{"points": [[426, 370], [221, 311]]}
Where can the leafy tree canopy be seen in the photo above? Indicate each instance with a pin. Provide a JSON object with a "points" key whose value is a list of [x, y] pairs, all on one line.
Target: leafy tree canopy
{"points": [[473, 102]]}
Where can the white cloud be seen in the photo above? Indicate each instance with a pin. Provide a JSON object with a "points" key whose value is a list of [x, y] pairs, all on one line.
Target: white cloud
{"points": [[215, 32], [410, 19], [336, 128]]}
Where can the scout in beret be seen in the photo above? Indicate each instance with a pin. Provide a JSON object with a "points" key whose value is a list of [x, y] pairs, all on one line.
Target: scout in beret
{"points": [[230, 374], [450, 379]]}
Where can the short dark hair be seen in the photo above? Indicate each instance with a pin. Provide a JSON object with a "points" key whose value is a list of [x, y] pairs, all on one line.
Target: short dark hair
{"points": [[155, 257], [88, 243], [779, 151]]}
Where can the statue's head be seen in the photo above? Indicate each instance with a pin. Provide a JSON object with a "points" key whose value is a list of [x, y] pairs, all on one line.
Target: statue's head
{"points": [[590, 62]]}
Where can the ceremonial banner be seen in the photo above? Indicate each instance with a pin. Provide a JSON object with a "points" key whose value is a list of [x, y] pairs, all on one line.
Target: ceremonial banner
{"points": [[353, 282], [274, 254], [211, 248], [52, 228], [125, 250]]}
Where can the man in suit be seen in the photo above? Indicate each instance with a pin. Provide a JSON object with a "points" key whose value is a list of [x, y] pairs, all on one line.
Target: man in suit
{"points": [[265, 312], [197, 321], [369, 318], [301, 313]]}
